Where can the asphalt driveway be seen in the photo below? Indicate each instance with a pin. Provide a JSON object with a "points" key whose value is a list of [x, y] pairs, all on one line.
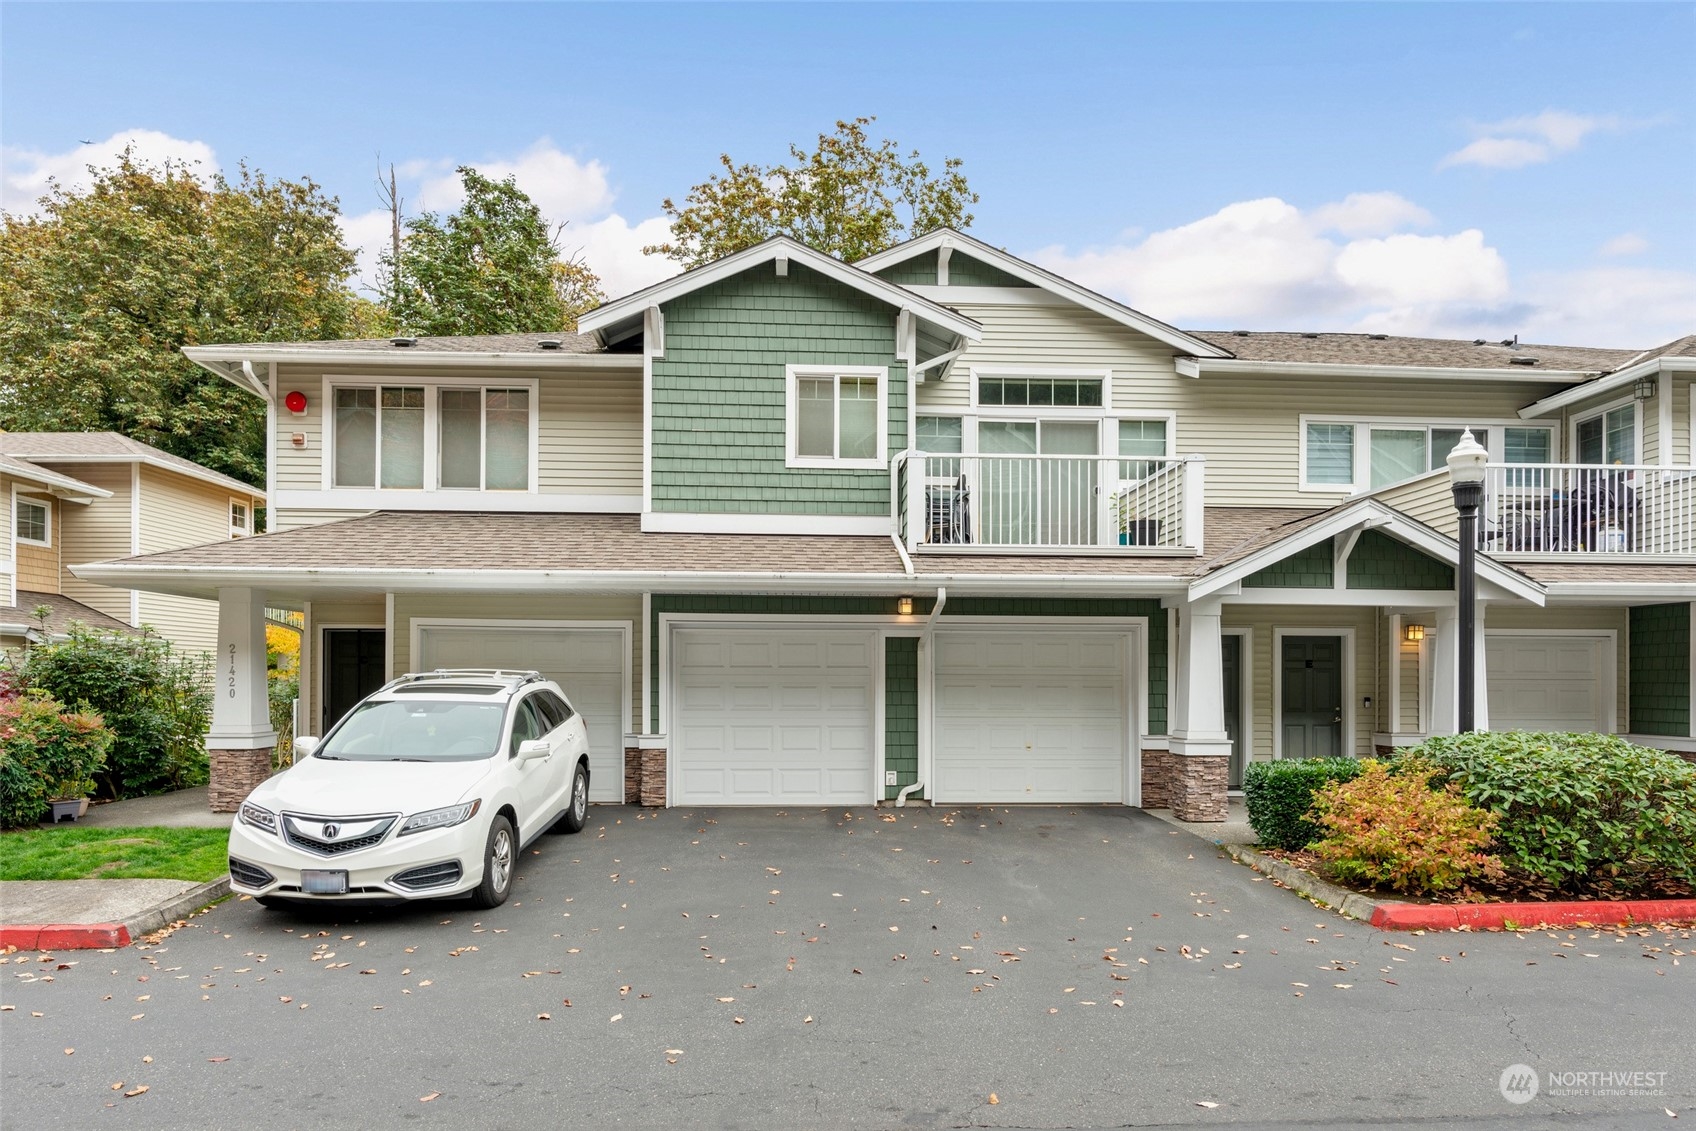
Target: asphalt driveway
{"points": [[763, 968]]}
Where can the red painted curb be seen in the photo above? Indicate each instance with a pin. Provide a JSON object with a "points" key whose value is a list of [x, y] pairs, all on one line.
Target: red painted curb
{"points": [[1496, 916], [66, 936]]}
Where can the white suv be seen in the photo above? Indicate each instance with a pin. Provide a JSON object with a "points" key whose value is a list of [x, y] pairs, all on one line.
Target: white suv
{"points": [[430, 787]]}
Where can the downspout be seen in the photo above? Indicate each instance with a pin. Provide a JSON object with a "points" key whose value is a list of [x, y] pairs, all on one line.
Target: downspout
{"points": [[930, 624], [906, 559]]}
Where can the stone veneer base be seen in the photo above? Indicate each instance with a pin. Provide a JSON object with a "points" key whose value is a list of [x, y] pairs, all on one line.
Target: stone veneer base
{"points": [[234, 774]]}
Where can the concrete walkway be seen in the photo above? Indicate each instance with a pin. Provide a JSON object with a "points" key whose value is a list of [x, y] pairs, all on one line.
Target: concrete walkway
{"points": [[1233, 830], [184, 809]]}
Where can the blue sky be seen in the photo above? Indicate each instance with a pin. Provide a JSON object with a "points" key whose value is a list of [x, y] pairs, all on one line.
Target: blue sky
{"points": [[1451, 169]]}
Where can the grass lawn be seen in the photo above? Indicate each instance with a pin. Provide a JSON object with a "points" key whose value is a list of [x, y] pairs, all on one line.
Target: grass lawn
{"points": [[114, 854]]}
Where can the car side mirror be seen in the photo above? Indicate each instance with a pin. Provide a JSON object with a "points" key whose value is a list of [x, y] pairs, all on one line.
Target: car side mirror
{"points": [[532, 749], [304, 746]]}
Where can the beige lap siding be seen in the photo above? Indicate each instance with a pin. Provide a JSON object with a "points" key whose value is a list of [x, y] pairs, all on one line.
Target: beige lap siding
{"points": [[1262, 619], [177, 511], [99, 532], [38, 566]]}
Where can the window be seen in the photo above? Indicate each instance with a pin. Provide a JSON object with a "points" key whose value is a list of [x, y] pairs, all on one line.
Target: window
{"points": [[33, 521], [485, 439], [241, 519], [432, 436], [554, 710], [1330, 454], [526, 725], [940, 434], [837, 418], [1046, 392], [380, 437], [1402, 453], [1141, 438], [1609, 437]]}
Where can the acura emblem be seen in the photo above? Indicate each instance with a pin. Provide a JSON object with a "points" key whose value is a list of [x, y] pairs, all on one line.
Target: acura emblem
{"points": [[331, 831]]}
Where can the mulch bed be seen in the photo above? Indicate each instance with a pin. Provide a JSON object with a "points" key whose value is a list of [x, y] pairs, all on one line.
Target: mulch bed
{"points": [[1510, 891]]}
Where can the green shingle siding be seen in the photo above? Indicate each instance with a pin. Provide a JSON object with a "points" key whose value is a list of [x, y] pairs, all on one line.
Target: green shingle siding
{"points": [[1312, 568], [1660, 669], [901, 711], [920, 271], [758, 606], [1382, 562], [719, 394], [964, 271]]}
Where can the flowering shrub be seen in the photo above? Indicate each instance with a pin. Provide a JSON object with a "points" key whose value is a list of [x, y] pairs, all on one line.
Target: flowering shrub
{"points": [[1391, 828]]}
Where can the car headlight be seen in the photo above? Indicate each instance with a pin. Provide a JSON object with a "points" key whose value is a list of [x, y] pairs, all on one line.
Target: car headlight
{"points": [[440, 818], [262, 819]]}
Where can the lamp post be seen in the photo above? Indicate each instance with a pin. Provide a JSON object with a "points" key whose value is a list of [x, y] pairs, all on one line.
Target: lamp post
{"points": [[1466, 481]]}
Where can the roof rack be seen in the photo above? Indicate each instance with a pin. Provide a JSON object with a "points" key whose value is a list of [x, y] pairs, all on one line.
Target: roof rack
{"points": [[515, 678]]}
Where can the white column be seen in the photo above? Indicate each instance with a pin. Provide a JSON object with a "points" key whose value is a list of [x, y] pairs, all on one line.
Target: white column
{"points": [[1198, 708], [1445, 673], [1480, 672], [241, 706]]}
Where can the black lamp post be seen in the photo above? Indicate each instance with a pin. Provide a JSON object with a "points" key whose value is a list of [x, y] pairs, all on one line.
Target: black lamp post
{"points": [[1466, 480]]}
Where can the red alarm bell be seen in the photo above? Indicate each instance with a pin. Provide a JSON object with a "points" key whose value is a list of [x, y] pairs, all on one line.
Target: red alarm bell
{"points": [[295, 402]]}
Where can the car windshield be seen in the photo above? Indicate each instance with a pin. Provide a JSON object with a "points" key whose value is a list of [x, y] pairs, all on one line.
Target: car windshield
{"points": [[418, 730]]}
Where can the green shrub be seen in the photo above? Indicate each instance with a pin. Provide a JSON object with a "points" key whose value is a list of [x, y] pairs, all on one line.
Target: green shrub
{"points": [[155, 702], [46, 752], [1578, 812], [1393, 829], [1279, 794]]}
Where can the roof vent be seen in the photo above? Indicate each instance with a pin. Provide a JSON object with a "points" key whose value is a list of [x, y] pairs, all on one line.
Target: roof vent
{"points": [[1513, 341], [1522, 360], [1478, 341], [549, 343], [1310, 335], [1239, 333], [401, 343], [1379, 337]]}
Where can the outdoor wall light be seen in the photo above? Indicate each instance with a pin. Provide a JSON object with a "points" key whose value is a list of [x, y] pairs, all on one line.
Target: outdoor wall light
{"points": [[1414, 633], [1643, 388], [295, 402], [904, 606]]}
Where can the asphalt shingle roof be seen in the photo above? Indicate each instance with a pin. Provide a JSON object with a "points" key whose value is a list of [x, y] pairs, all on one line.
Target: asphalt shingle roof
{"points": [[45, 447], [1443, 353], [480, 343], [63, 612]]}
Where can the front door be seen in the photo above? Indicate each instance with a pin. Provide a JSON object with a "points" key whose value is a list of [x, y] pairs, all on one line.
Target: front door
{"points": [[1312, 696], [1231, 648], [353, 669]]}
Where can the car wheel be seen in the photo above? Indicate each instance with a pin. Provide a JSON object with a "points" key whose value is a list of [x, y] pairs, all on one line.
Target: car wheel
{"points": [[500, 855], [576, 813]]}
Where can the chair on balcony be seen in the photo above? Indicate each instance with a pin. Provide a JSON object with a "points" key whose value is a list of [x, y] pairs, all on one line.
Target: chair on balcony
{"points": [[948, 517]]}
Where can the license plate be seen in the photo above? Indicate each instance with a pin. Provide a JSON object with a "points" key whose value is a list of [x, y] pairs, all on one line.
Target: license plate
{"points": [[323, 882]]}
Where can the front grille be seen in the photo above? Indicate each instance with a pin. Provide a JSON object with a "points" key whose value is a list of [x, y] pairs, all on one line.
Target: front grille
{"points": [[429, 876], [249, 875], [371, 830]]}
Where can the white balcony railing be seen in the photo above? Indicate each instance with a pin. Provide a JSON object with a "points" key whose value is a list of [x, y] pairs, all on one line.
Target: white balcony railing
{"points": [[1049, 502], [1568, 508]]}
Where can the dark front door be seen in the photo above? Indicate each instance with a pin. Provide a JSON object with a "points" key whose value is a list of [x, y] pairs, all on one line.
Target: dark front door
{"points": [[1312, 706], [353, 669], [1232, 686]]}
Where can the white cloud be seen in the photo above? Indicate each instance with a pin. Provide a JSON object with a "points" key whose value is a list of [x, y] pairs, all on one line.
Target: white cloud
{"points": [[1626, 243], [26, 174], [570, 191], [1268, 265], [1529, 140]]}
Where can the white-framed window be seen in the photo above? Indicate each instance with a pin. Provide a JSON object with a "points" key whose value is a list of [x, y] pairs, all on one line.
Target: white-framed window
{"points": [[431, 434], [32, 521], [1609, 436], [942, 435], [1349, 455], [838, 416], [241, 518], [1021, 391]]}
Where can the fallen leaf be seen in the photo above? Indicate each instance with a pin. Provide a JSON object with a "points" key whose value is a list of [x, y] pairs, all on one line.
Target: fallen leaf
{"points": [[993, 1098], [674, 1052], [615, 1017], [738, 1020], [428, 1098], [139, 1089], [1205, 1103], [147, 1060], [216, 1059], [727, 1000]]}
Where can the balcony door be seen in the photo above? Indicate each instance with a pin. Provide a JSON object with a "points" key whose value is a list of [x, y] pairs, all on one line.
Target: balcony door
{"points": [[1038, 500]]}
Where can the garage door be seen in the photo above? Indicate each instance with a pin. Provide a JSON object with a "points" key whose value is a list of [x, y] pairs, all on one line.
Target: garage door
{"points": [[771, 717], [587, 662], [1546, 682], [1030, 716]]}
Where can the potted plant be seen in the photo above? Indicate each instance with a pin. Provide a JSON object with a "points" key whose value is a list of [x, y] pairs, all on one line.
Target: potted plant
{"points": [[53, 754], [1134, 531]]}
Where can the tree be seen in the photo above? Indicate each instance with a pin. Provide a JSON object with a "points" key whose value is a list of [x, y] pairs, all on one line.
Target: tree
{"points": [[492, 267], [848, 198], [100, 292]]}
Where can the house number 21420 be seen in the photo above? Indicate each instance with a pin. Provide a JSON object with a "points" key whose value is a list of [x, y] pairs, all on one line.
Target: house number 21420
{"points": [[231, 682]]}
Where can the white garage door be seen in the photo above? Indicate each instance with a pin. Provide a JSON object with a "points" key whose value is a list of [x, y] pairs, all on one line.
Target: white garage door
{"points": [[1546, 682], [772, 717], [587, 662], [1030, 716]]}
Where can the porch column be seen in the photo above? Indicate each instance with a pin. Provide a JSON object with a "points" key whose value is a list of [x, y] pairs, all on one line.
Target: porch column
{"points": [[1445, 673], [1480, 671], [1201, 749], [241, 740]]}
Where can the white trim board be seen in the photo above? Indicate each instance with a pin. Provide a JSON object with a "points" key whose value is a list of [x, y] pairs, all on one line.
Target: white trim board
{"points": [[360, 500], [676, 522], [1245, 688]]}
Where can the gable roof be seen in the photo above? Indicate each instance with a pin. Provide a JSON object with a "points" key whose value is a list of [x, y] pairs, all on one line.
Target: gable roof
{"points": [[1048, 281], [112, 447], [1678, 356], [1357, 350], [631, 306], [56, 483]]}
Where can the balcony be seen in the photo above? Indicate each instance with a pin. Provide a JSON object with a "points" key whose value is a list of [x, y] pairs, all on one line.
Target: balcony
{"points": [[1075, 504], [1568, 510]]}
